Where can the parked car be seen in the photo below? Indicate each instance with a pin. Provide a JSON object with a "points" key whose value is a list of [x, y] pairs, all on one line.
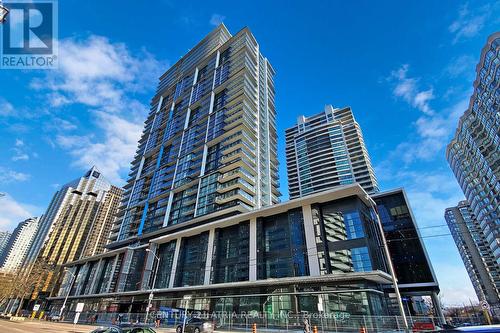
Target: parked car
{"points": [[197, 325], [55, 317], [473, 329], [124, 329]]}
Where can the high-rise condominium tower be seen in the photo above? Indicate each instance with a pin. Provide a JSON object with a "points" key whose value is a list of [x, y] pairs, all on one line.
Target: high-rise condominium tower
{"points": [[327, 150], [209, 141], [18, 245], [478, 259], [209, 151], [473, 154], [81, 223], [4, 239]]}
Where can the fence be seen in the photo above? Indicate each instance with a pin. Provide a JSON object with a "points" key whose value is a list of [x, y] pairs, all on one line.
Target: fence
{"points": [[284, 322]]}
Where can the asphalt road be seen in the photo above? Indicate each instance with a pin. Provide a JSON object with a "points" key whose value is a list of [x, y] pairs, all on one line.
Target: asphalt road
{"points": [[36, 326], [41, 326]]}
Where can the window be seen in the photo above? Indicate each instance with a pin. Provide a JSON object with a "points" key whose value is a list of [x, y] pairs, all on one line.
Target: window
{"points": [[166, 254], [231, 254], [407, 253], [192, 258], [281, 246]]}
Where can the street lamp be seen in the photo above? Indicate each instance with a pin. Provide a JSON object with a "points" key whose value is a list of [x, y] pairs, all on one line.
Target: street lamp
{"points": [[151, 294], [389, 262], [73, 277]]}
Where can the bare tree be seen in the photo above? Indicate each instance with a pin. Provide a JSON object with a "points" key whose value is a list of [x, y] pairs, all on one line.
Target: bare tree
{"points": [[21, 283]]}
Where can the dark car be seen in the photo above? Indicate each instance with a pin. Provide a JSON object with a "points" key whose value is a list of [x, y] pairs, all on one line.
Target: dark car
{"points": [[123, 329], [473, 329], [197, 325]]}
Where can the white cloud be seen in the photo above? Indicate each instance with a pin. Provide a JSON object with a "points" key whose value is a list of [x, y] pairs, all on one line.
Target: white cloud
{"points": [[61, 124], [110, 156], [433, 129], [463, 64], [217, 19], [9, 176], [469, 23], [6, 108], [20, 156], [415, 165], [20, 151], [108, 79], [13, 212], [98, 73], [407, 89]]}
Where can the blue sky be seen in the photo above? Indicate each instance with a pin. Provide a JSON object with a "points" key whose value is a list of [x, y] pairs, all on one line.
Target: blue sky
{"points": [[405, 69]]}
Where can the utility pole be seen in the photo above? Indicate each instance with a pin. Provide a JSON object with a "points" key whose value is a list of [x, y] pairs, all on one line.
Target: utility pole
{"points": [[151, 294], [73, 277], [389, 263]]}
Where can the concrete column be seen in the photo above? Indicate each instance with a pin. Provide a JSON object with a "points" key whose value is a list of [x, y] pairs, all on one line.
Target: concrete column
{"points": [[252, 260], [174, 262], [208, 262], [312, 251], [437, 305]]}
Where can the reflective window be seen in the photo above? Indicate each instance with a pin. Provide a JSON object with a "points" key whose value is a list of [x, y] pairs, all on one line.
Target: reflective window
{"points": [[281, 248], [192, 259], [231, 254], [166, 254], [407, 253]]}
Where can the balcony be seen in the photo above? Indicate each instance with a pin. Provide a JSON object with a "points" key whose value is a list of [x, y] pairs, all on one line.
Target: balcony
{"points": [[237, 194]]}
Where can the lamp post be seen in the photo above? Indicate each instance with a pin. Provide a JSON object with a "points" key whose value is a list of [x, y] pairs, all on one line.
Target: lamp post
{"points": [[151, 294], [389, 263], [73, 277]]}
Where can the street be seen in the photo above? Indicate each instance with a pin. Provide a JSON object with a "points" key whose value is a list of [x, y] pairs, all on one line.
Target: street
{"points": [[36, 326]]}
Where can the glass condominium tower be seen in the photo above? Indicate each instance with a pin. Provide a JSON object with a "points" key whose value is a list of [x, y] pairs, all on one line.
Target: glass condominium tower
{"points": [[327, 150], [473, 154], [209, 144], [478, 259]]}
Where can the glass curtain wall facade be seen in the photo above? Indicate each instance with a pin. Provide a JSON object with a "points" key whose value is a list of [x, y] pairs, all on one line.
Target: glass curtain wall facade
{"points": [[282, 250], [408, 253], [80, 217], [327, 150], [231, 254], [478, 259], [18, 244], [270, 260], [346, 238], [473, 154], [209, 143]]}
